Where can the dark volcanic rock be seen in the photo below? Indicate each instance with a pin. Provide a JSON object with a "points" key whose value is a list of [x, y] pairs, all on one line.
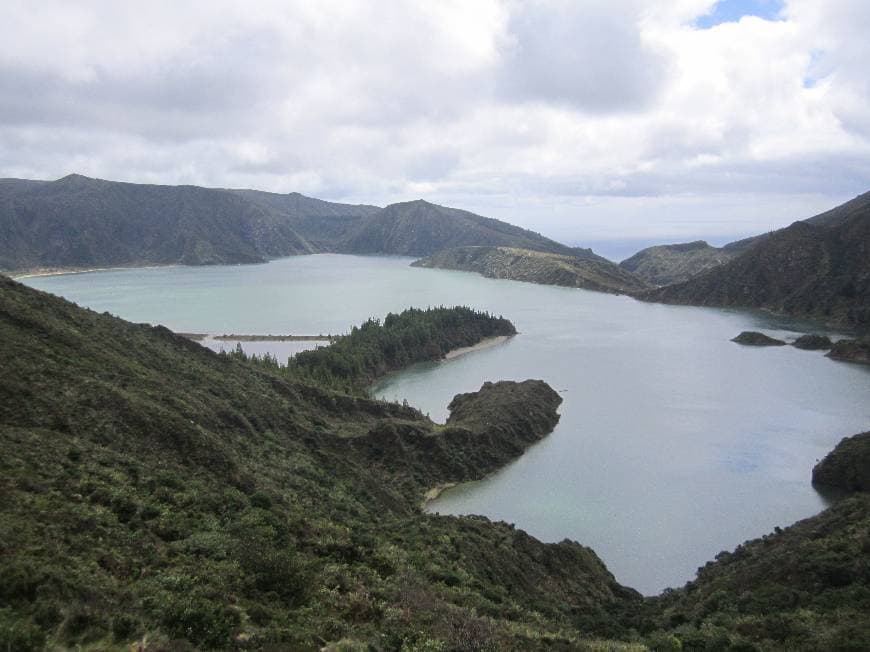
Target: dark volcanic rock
{"points": [[812, 342], [847, 466], [587, 272], [851, 350], [754, 338]]}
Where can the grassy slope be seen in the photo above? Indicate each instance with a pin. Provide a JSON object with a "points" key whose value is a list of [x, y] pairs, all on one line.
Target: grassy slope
{"points": [[152, 487]]}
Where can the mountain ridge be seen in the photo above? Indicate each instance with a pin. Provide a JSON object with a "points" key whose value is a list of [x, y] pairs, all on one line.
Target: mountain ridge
{"points": [[817, 269], [81, 222]]}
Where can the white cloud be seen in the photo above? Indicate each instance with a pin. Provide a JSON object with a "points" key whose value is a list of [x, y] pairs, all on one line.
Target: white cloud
{"points": [[620, 112]]}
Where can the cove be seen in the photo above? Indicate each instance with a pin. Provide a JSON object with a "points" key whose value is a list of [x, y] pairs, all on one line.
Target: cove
{"points": [[674, 443]]}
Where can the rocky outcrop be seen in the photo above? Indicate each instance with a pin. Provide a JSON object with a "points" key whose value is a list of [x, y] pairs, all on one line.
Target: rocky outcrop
{"points": [[485, 430], [846, 467], [754, 338], [675, 263], [851, 350], [590, 273]]}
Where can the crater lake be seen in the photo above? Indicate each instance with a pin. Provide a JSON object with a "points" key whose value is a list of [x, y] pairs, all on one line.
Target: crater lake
{"points": [[674, 443]]}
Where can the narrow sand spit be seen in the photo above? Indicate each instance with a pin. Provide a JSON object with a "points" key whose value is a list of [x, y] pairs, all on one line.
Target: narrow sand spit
{"points": [[483, 344]]}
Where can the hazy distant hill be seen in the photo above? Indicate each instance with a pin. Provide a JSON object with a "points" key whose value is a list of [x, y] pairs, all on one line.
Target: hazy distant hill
{"points": [[418, 228], [81, 222], [589, 273], [817, 268], [674, 263]]}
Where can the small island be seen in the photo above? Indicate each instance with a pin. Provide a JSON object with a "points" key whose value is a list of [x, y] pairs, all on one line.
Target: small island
{"points": [[812, 342], [857, 350], [754, 338]]}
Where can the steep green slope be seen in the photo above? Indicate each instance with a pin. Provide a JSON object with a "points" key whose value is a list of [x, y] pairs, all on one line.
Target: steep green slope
{"points": [[674, 263], [847, 466], [805, 587], [418, 228], [589, 273], [322, 224], [82, 222], [817, 271], [152, 488]]}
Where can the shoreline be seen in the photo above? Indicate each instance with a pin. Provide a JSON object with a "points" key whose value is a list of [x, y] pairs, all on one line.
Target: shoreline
{"points": [[483, 344], [433, 493], [199, 337], [38, 272]]}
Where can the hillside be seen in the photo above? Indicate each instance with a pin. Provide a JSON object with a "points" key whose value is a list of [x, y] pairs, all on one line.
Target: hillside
{"points": [[418, 228], [674, 263], [817, 269], [802, 588], [156, 491], [82, 222], [152, 488], [78, 222], [846, 467], [537, 267]]}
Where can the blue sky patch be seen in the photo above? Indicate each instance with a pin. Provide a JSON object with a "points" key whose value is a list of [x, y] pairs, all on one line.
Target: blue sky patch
{"points": [[730, 11]]}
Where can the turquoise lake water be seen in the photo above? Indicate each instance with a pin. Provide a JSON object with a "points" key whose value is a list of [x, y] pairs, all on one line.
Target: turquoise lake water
{"points": [[674, 443]]}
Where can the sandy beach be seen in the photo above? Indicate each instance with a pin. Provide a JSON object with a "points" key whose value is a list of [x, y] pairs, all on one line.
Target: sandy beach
{"points": [[483, 344], [62, 271]]}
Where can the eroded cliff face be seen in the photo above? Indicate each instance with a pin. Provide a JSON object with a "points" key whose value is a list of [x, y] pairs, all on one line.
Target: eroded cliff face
{"points": [[589, 273]]}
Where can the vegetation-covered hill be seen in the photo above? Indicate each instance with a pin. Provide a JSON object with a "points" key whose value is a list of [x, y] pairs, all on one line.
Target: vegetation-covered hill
{"points": [[82, 222], [674, 263], [418, 228], [817, 269], [155, 491], [590, 273], [78, 222], [847, 466], [801, 588]]}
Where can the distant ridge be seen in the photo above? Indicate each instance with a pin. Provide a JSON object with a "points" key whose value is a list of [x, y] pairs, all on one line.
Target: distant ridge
{"points": [[543, 268], [419, 228], [80, 222], [77, 221], [674, 263], [817, 268]]}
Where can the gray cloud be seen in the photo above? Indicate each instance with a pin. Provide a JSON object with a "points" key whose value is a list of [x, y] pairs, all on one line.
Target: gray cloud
{"points": [[587, 55], [511, 109]]}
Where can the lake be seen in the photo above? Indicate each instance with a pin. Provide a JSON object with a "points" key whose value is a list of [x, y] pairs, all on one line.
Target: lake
{"points": [[674, 443]]}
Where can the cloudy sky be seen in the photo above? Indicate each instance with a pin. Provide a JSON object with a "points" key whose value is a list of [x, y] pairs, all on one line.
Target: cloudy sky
{"points": [[588, 120]]}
